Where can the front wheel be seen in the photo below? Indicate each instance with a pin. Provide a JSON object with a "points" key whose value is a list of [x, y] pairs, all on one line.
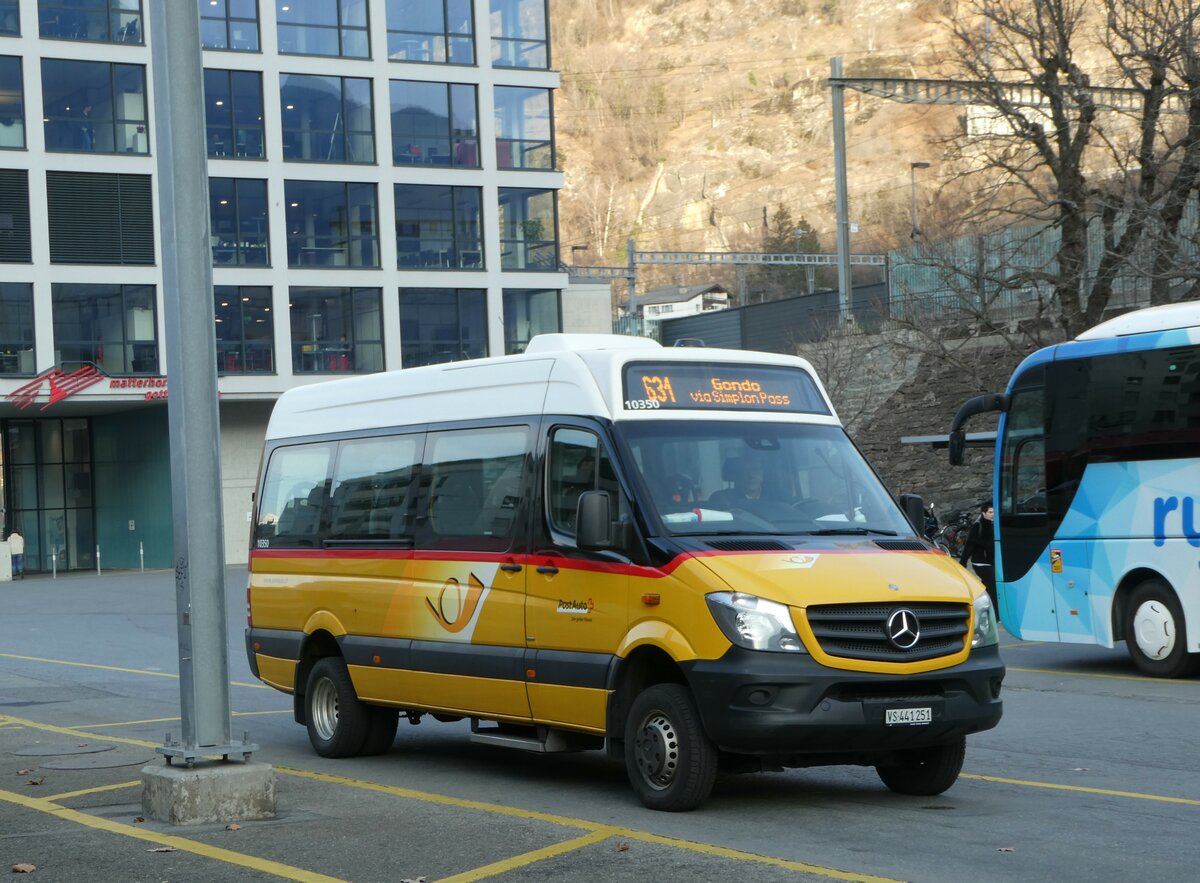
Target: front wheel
{"points": [[670, 761], [924, 772], [1155, 631], [337, 721]]}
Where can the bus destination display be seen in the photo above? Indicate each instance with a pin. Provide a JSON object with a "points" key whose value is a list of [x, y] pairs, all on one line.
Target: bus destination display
{"points": [[705, 386]]}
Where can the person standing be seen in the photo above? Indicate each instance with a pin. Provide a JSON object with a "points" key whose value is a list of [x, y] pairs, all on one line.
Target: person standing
{"points": [[980, 550], [16, 545]]}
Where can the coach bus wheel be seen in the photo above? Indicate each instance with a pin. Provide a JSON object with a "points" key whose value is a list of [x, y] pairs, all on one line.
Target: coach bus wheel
{"points": [[337, 721], [1156, 633], [381, 732], [924, 772], [670, 761]]}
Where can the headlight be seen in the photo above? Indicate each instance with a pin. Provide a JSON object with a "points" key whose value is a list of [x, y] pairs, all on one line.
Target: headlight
{"points": [[755, 623], [986, 633]]}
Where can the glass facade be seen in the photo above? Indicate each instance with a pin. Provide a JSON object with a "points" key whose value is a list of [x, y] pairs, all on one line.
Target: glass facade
{"points": [[434, 31], [524, 128], [519, 34], [16, 328], [10, 17], [105, 21], [327, 119], [238, 215], [438, 227], [442, 325], [336, 330], [12, 103], [434, 124], [528, 229], [323, 27], [233, 114], [331, 224], [245, 334], [529, 312], [113, 327], [229, 24], [94, 106]]}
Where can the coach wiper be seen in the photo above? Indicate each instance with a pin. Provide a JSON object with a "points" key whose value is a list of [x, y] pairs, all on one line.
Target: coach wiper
{"points": [[850, 531]]}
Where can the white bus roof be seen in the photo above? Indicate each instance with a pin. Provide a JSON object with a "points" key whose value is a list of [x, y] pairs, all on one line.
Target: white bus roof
{"points": [[578, 374], [1162, 318]]}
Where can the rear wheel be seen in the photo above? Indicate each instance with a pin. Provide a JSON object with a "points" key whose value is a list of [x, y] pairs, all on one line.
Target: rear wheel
{"points": [[382, 730], [1155, 631], [670, 761], [337, 722], [923, 772]]}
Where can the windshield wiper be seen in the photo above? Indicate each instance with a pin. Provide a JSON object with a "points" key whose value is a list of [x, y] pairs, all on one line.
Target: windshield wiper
{"points": [[855, 531]]}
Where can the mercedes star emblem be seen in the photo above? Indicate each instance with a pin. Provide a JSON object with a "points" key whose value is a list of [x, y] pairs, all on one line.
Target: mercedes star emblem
{"points": [[903, 629]]}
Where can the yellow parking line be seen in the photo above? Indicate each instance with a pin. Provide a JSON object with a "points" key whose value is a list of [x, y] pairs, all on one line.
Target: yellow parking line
{"points": [[253, 863], [1089, 674], [519, 861], [66, 795], [169, 720], [134, 671], [1082, 789]]}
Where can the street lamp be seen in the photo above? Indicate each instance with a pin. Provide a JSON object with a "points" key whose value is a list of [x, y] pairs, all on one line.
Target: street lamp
{"points": [[916, 229]]}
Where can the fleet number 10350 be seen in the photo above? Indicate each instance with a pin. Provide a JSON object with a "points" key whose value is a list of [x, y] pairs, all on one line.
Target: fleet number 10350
{"points": [[641, 404]]}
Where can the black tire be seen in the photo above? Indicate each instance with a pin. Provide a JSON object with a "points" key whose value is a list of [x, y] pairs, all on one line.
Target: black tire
{"points": [[382, 731], [924, 772], [670, 761], [1155, 631], [337, 722]]}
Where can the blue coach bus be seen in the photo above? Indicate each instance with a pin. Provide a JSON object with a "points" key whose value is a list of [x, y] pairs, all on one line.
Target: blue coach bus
{"points": [[1097, 481]]}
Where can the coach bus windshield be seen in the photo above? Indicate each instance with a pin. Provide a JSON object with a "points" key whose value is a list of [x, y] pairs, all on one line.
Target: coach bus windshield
{"points": [[719, 477]]}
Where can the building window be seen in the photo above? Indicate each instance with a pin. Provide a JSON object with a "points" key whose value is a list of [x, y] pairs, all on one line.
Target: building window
{"points": [[524, 128], [336, 330], [229, 24], [331, 224], [99, 218], [528, 229], [442, 325], [233, 113], [441, 31], [105, 21], [327, 119], [12, 104], [245, 333], [14, 217], [238, 215], [519, 34], [16, 328], [438, 227], [527, 313], [94, 106], [434, 124], [323, 27], [110, 326], [10, 17]]}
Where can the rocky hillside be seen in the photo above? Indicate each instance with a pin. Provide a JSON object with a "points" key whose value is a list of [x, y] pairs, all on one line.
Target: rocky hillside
{"points": [[683, 123]]}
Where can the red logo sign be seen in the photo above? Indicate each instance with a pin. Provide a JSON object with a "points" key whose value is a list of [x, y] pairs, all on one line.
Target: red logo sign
{"points": [[62, 386]]}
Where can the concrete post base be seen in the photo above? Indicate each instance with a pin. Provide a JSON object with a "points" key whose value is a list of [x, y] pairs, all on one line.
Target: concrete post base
{"points": [[208, 793]]}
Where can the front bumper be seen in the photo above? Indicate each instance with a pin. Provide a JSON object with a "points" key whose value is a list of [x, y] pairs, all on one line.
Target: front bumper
{"points": [[781, 704]]}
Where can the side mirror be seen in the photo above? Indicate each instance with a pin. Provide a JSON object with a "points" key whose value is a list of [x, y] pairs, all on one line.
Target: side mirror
{"points": [[958, 447], [914, 509], [593, 521]]}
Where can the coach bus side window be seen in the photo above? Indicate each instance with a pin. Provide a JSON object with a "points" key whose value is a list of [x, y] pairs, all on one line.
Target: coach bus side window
{"points": [[292, 507], [371, 489], [1024, 460], [475, 482]]}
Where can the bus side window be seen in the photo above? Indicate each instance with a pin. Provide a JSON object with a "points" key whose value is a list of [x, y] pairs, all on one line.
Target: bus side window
{"points": [[294, 494], [371, 488], [577, 463]]}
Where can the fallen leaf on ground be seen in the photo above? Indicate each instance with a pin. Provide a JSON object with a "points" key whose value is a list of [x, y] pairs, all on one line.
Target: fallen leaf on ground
{"points": [[413, 880], [139, 819], [1005, 849], [24, 868], [622, 847], [163, 849], [233, 827], [24, 772], [36, 781]]}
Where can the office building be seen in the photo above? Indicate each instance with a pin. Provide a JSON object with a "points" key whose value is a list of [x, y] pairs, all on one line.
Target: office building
{"points": [[383, 194]]}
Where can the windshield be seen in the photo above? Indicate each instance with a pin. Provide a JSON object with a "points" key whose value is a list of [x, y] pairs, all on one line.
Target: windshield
{"points": [[710, 477]]}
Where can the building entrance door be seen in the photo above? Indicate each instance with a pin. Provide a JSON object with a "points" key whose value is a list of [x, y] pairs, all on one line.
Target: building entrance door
{"points": [[48, 491]]}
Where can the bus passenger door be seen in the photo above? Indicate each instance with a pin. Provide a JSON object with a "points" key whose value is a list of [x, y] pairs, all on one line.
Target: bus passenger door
{"points": [[1070, 570], [576, 609]]}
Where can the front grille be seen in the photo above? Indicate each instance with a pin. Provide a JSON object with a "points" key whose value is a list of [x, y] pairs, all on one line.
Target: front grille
{"points": [[902, 545], [859, 631]]}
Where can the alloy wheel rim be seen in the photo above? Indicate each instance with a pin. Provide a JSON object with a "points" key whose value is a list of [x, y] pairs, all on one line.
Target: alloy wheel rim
{"points": [[325, 708]]}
